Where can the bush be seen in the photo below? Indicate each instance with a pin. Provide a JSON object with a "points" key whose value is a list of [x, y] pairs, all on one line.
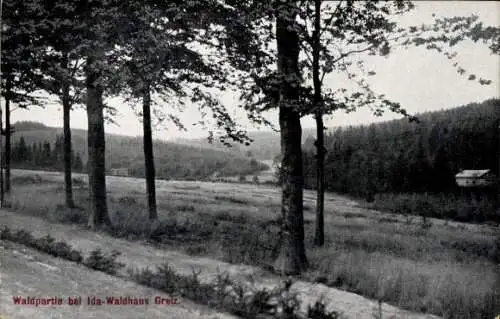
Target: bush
{"points": [[45, 244], [318, 310], [78, 181], [104, 262], [28, 179], [242, 300], [74, 215], [127, 200], [256, 180]]}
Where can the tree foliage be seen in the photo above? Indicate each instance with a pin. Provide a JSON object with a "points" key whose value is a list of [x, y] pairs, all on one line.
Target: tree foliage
{"points": [[398, 156]]}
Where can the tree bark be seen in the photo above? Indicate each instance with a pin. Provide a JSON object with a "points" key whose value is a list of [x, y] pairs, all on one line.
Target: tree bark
{"points": [[319, 238], [148, 153], [498, 173], [1, 162], [96, 149], [292, 257], [7, 138], [67, 145]]}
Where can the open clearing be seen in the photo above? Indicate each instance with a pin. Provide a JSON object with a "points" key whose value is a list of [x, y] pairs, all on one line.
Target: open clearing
{"points": [[446, 269]]}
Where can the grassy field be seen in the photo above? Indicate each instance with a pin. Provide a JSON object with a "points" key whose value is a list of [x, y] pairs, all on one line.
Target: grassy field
{"points": [[442, 267]]}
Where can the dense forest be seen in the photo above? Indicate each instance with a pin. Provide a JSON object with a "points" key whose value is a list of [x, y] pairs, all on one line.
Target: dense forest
{"points": [[173, 161], [43, 155], [403, 157]]}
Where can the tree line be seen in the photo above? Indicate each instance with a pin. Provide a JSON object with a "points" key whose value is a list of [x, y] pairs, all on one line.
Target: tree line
{"points": [[84, 52], [43, 155], [174, 161], [403, 157]]}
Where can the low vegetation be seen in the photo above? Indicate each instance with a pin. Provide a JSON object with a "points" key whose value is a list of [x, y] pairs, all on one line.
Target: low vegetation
{"points": [[104, 262], [45, 244], [97, 260], [239, 299], [442, 206], [416, 264]]}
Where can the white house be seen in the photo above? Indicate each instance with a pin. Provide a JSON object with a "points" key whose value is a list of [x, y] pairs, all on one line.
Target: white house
{"points": [[476, 178]]}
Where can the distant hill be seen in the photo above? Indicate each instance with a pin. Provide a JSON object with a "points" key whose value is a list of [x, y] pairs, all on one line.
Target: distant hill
{"points": [[173, 160], [266, 145]]}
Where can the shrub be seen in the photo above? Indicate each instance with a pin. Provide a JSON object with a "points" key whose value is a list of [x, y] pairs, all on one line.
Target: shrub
{"points": [[78, 181], [127, 200], [256, 180], [318, 310], [26, 180], [45, 244], [104, 262]]}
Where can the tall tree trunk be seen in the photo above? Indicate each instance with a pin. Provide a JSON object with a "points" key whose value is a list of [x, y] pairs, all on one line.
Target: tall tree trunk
{"points": [[319, 238], [148, 153], [96, 149], [1, 162], [292, 257], [498, 173], [7, 138], [67, 145]]}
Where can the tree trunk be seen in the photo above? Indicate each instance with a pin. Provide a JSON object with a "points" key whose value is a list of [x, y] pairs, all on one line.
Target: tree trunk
{"points": [[1, 162], [498, 173], [96, 150], [148, 153], [319, 238], [292, 257], [7, 138], [67, 145]]}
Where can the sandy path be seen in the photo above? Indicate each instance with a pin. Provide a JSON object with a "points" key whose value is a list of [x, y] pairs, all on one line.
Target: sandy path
{"points": [[137, 254], [25, 272]]}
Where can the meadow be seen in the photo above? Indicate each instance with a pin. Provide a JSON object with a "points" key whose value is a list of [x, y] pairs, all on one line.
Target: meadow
{"points": [[442, 267]]}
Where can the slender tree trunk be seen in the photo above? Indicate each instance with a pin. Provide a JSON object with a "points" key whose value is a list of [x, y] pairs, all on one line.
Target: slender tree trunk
{"points": [[67, 145], [96, 150], [148, 153], [498, 173], [7, 138], [292, 257], [319, 238], [1, 162]]}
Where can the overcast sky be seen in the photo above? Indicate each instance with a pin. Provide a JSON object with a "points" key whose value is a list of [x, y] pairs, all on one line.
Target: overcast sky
{"points": [[420, 80]]}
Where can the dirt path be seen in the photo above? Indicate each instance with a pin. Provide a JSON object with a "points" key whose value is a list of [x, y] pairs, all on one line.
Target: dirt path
{"points": [[28, 273], [140, 255]]}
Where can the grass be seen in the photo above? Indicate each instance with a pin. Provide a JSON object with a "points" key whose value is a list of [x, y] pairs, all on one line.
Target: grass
{"points": [[445, 206], [444, 268], [239, 299]]}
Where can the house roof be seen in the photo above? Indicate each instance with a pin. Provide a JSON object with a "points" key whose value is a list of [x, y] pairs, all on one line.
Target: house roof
{"points": [[472, 173]]}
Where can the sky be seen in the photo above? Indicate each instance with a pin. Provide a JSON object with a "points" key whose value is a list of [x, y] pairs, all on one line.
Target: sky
{"points": [[418, 79]]}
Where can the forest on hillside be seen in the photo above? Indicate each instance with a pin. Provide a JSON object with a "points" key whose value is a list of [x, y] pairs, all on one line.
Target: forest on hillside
{"points": [[403, 157], [37, 146], [43, 155]]}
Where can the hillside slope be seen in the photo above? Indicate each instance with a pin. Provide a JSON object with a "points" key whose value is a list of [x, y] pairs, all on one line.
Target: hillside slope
{"points": [[398, 156], [265, 145], [173, 160]]}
